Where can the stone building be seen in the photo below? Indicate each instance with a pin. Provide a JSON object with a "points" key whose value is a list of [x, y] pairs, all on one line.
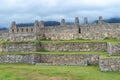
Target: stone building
{"points": [[38, 30]]}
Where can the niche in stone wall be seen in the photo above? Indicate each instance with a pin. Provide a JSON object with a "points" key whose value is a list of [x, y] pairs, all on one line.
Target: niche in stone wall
{"points": [[27, 30], [12, 30], [79, 30], [31, 29], [17, 30], [22, 30]]}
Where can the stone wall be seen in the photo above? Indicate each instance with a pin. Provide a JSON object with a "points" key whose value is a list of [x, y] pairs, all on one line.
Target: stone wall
{"points": [[105, 64], [22, 36], [19, 47], [23, 58], [94, 31], [69, 59], [60, 29], [109, 64], [60, 36], [51, 59], [74, 46], [4, 35], [113, 49], [53, 46]]}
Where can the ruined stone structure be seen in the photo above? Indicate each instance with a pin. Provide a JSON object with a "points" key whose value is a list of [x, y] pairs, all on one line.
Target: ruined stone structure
{"points": [[38, 31], [54, 47], [105, 64], [63, 31]]}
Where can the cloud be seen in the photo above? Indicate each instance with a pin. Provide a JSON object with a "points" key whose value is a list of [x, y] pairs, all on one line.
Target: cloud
{"points": [[29, 10]]}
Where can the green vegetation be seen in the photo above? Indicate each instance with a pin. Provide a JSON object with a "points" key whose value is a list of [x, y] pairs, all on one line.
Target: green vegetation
{"points": [[60, 41], [82, 40], [35, 72], [102, 54], [31, 72], [105, 56], [47, 52]]}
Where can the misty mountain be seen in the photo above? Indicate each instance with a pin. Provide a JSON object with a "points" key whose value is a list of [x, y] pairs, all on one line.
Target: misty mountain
{"points": [[111, 20], [46, 23], [51, 23], [54, 23], [3, 28]]}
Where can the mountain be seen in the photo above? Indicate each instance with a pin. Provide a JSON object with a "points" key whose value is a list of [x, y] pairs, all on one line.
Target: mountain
{"points": [[111, 20], [46, 23], [3, 28], [69, 23], [51, 23]]}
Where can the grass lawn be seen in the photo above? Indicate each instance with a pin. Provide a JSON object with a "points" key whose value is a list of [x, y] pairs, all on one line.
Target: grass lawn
{"points": [[47, 52], [82, 40], [33, 72], [61, 41], [102, 54]]}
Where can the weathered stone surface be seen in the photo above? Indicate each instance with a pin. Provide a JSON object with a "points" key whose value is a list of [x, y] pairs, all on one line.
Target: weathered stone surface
{"points": [[19, 47], [64, 59], [113, 49], [95, 31], [51, 59], [10, 58], [109, 64], [75, 46], [69, 59], [52, 46]]}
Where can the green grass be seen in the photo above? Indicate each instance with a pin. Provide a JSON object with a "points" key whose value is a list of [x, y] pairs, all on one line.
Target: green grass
{"points": [[101, 53], [105, 56], [60, 41], [82, 40], [31, 72]]}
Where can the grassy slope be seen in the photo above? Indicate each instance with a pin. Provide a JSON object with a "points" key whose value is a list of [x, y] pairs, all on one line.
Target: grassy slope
{"points": [[30, 72], [104, 53], [105, 40], [36, 41]]}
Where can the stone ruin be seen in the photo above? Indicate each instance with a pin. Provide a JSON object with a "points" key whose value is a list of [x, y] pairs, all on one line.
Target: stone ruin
{"points": [[38, 31]]}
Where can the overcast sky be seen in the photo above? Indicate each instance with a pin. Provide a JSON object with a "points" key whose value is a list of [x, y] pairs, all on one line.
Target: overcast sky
{"points": [[23, 11]]}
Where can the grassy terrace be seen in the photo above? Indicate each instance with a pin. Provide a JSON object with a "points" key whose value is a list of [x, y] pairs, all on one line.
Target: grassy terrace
{"points": [[31, 72], [76, 40], [82, 40], [102, 54], [35, 72]]}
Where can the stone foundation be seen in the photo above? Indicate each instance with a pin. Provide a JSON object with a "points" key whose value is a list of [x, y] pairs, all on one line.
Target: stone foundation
{"points": [[113, 49], [53, 46], [74, 46], [19, 47], [109, 64], [23, 58], [52, 59], [70, 59], [105, 64]]}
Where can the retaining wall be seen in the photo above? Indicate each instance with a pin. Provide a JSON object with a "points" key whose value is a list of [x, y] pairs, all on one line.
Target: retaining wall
{"points": [[52, 59], [113, 49], [19, 47], [109, 64], [53, 46], [74, 46], [23, 58], [71, 59]]}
